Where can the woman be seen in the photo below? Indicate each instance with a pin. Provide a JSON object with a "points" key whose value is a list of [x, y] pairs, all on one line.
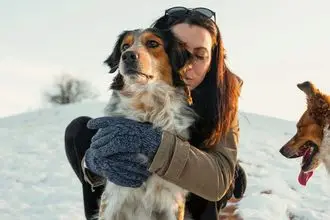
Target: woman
{"points": [[206, 165]]}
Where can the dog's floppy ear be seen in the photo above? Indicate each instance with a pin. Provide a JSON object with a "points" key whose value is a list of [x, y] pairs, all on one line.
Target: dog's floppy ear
{"points": [[113, 60], [180, 58]]}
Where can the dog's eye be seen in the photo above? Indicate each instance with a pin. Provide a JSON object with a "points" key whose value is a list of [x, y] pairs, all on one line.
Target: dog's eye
{"points": [[152, 44], [124, 47]]}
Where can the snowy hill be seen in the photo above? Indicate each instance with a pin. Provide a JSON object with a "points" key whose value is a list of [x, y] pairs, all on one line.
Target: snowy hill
{"points": [[38, 183]]}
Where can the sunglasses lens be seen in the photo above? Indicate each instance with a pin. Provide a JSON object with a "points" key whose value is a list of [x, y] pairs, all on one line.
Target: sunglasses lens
{"points": [[182, 11], [177, 11], [204, 11]]}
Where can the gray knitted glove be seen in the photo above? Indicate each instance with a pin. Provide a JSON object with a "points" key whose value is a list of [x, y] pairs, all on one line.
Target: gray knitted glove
{"points": [[116, 149]]}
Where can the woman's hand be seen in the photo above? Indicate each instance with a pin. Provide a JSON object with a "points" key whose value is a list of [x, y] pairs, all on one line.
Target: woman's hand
{"points": [[240, 182], [237, 189], [122, 149]]}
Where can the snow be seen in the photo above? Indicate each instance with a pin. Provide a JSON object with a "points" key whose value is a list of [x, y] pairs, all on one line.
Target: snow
{"points": [[37, 181]]}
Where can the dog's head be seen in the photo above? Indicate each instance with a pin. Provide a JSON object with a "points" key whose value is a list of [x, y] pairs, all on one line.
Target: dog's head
{"points": [[307, 141], [148, 55]]}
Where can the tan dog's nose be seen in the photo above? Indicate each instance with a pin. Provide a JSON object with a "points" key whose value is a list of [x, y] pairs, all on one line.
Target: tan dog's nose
{"points": [[285, 152], [130, 57], [289, 152], [282, 151]]}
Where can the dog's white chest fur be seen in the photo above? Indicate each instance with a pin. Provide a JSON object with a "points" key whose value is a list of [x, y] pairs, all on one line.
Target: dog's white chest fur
{"points": [[156, 199], [325, 148]]}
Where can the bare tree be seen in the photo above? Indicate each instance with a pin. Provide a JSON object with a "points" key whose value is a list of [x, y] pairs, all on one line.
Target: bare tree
{"points": [[68, 89]]}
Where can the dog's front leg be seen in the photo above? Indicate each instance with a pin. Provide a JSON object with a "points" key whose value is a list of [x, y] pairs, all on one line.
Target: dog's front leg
{"points": [[112, 201]]}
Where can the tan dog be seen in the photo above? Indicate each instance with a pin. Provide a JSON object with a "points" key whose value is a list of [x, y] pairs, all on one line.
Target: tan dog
{"points": [[149, 88], [312, 140]]}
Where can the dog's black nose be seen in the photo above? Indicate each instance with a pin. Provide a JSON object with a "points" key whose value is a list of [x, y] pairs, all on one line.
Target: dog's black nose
{"points": [[282, 151], [130, 57]]}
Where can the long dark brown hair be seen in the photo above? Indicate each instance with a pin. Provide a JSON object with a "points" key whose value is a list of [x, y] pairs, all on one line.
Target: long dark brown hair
{"points": [[216, 98]]}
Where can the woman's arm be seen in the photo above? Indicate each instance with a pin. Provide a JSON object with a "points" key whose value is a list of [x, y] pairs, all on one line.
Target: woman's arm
{"points": [[206, 174]]}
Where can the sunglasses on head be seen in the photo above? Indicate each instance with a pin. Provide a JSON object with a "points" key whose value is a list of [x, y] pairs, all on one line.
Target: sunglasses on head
{"points": [[183, 11]]}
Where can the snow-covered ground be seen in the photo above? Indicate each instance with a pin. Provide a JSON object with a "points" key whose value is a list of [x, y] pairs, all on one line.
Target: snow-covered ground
{"points": [[38, 183]]}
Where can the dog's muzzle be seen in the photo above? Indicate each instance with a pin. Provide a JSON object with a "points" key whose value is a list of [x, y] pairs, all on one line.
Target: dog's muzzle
{"points": [[130, 59]]}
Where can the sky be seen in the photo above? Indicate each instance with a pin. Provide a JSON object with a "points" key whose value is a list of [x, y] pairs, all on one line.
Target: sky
{"points": [[271, 45]]}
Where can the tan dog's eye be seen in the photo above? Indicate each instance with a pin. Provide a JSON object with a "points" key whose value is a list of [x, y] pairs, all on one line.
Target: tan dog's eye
{"points": [[124, 47], [152, 44]]}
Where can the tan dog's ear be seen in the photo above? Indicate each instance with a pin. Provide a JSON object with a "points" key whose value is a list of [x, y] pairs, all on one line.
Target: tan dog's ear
{"points": [[308, 88], [113, 60]]}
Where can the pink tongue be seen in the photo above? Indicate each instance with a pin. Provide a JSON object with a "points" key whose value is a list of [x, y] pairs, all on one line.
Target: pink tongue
{"points": [[304, 177]]}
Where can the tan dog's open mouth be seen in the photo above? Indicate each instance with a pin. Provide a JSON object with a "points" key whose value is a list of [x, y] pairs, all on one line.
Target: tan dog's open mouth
{"points": [[310, 149]]}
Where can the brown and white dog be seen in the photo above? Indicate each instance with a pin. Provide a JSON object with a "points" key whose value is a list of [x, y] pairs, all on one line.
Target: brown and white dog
{"points": [[312, 140], [149, 88]]}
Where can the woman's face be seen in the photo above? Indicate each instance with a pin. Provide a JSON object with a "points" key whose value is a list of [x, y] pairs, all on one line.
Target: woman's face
{"points": [[199, 43]]}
